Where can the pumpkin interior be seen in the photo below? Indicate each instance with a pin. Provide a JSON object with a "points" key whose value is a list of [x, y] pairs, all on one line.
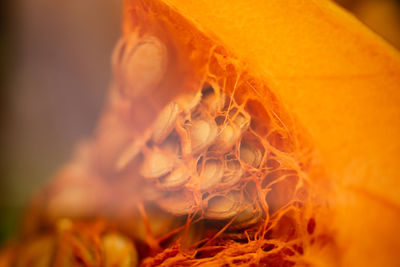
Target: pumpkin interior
{"points": [[329, 71], [317, 96]]}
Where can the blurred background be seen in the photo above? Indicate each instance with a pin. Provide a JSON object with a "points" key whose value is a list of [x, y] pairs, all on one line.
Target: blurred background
{"points": [[54, 73]]}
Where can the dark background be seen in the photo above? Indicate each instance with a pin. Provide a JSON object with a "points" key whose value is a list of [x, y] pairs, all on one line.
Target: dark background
{"points": [[54, 73]]}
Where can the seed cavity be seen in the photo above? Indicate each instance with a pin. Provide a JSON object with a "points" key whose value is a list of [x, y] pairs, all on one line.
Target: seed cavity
{"points": [[281, 193], [224, 150]]}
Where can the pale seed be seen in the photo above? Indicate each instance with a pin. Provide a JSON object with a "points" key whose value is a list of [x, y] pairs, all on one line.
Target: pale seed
{"points": [[188, 101], [223, 207], [177, 178], [203, 133], [165, 122], [210, 174], [242, 121], [226, 139], [248, 217], [144, 66], [156, 163], [119, 251], [178, 203], [233, 172], [250, 155]]}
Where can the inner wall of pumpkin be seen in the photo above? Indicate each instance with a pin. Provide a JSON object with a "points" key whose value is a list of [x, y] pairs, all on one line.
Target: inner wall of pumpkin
{"points": [[225, 163]]}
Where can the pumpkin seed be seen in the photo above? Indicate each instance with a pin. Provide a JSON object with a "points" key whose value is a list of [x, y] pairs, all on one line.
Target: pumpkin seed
{"points": [[226, 138], [250, 155], [144, 66], [165, 122], [203, 133], [242, 121], [249, 216], [178, 203], [177, 178], [233, 172], [119, 251], [223, 207], [210, 174], [188, 101], [156, 163]]}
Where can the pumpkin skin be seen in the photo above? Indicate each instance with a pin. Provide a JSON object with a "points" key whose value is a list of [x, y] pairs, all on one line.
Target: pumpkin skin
{"points": [[343, 84]]}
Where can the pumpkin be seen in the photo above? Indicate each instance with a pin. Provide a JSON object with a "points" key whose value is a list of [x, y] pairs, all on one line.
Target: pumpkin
{"points": [[342, 83], [234, 134]]}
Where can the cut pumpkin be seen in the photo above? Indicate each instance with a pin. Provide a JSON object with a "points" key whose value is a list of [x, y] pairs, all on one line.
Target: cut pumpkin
{"points": [[341, 81], [262, 134]]}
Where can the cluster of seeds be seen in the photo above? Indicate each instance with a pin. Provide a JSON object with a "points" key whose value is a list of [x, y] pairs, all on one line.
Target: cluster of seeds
{"points": [[227, 155], [197, 150], [206, 158]]}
